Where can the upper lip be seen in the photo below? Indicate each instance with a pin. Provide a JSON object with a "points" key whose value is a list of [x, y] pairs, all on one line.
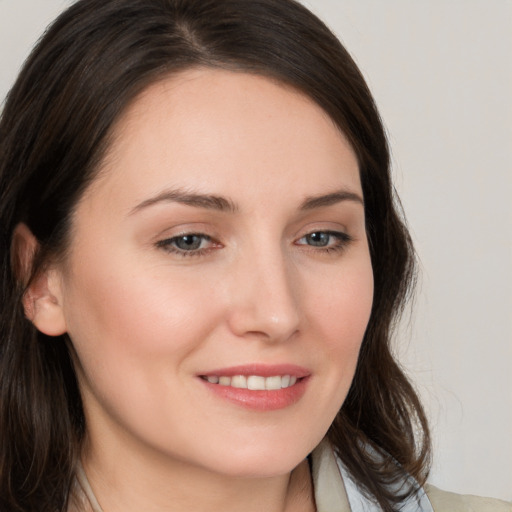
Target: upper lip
{"points": [[262, 370]]}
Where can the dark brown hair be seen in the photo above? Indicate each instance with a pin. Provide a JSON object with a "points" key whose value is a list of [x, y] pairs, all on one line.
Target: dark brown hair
{"points": [[91, 63]]}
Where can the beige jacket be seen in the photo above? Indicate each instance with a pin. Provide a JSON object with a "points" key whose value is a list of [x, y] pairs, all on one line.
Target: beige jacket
{"points": [[330, 492], [443, 501]]}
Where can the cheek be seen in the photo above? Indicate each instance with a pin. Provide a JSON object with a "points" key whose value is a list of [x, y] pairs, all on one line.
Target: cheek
{"points": [[339, 316], [342, 306], [123, 318], [133, 335]]}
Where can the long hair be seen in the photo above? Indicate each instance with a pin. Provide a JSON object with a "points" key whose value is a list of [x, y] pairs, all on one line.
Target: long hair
{"points": [[89, 66]]}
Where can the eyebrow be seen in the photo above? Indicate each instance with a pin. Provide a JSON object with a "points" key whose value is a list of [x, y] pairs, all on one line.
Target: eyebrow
{"points": [[310, 203], [223, 204], [206, 201]]}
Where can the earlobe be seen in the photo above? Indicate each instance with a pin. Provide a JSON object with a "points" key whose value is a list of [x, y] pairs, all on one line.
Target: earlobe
{"points": [[43, 304], [42, 300]]}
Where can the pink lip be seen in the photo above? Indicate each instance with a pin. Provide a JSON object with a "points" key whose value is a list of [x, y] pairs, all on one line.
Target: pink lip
{"points": [[263, 370], [261, 400]]}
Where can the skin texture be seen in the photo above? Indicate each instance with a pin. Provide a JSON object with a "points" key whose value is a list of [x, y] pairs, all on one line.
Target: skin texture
{"points": [[147, 321]]}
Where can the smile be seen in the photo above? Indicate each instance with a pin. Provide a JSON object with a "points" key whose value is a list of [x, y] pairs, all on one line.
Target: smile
{"points": [[253, 382], [258, 387]]}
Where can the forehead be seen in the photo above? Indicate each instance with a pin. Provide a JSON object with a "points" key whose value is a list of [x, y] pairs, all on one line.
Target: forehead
{"points": [[219, 129]]}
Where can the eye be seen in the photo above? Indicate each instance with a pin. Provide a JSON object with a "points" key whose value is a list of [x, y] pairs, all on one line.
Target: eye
{"points": [[325, 240], [187, 244]]}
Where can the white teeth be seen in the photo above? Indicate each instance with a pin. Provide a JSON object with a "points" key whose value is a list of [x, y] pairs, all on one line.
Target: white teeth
{"points": [[239, 381], [254, 382], [273, 383]]}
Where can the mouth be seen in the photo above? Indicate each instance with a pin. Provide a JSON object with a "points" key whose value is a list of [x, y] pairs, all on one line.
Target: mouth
{"points": [[253, 382], [259, 387]]}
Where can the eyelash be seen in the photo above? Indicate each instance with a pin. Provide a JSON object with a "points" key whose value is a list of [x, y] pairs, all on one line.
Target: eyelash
{"points": [[169, 244], [341, 241]]}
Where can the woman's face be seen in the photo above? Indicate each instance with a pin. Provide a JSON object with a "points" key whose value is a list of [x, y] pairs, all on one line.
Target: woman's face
{"points": [[218, 283]]}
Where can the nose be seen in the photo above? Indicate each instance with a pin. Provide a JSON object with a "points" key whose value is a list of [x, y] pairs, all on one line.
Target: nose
{"points": [[264, 298]]}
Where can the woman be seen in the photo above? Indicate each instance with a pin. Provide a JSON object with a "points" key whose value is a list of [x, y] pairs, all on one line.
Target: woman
{"points": [[203, 260]]}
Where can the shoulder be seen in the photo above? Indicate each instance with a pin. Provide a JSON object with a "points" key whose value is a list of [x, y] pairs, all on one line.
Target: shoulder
{"points": [[443, 501]]}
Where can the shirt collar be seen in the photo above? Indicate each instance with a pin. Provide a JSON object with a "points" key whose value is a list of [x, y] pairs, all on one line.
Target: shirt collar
{"points": [[336, 491], [330, 493]]}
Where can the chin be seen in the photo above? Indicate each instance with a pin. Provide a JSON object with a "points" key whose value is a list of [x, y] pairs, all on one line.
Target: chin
{"points": [[259, 460]]}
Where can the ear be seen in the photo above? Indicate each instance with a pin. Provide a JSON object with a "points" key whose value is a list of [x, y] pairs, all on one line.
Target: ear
{"points": [[43, 296]]}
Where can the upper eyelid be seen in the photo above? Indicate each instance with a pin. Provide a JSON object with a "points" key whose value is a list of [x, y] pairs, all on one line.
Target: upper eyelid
{"points": [[205, 236], [165, 238], [330, 223], [183, 229], [341, 237], [334, 232]]}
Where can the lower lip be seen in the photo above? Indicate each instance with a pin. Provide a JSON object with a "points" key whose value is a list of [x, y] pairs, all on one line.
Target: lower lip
{"points": [[260, 400]]}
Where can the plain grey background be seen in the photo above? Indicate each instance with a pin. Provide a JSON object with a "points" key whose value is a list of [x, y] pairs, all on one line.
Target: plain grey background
{"points": [[441, 72]]}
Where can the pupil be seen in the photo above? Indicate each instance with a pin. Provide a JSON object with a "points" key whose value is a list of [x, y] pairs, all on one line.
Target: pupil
{"points": [[318, 239]]}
